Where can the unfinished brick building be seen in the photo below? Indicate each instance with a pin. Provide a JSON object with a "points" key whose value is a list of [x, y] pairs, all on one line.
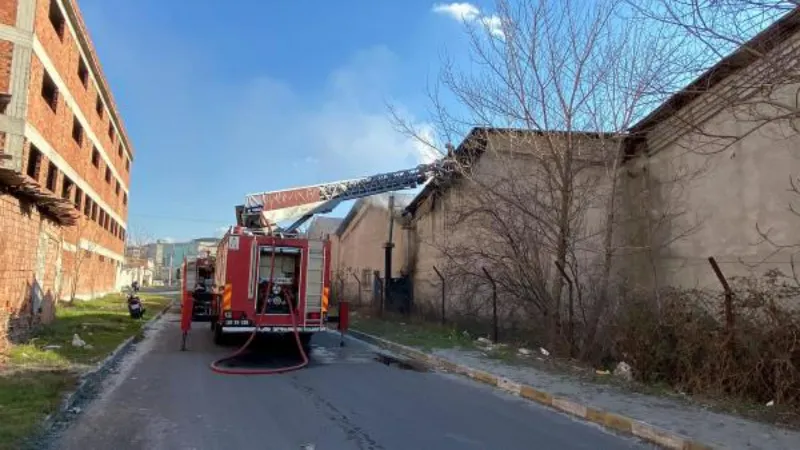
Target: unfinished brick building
{"points": [[65, 162]]}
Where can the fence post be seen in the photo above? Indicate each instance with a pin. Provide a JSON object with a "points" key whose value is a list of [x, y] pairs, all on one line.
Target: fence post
{"points": [[443, 292], [571, 311], [340, 295], [494, 305], [728, 304], [377, 291], [359, 288]]}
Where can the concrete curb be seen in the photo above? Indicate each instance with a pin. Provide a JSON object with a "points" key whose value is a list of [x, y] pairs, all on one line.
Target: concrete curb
{"points": [[612, 421], [92, 377]]}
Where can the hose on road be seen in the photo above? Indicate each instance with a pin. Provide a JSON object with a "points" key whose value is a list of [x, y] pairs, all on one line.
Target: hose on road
{"points": [[217, 367]]}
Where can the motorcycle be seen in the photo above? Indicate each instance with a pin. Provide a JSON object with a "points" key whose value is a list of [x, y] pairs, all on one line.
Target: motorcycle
{"points": [[135, 307]]}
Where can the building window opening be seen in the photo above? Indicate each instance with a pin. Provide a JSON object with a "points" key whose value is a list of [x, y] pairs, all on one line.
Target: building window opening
{"points": [[77, 131], [34, 163], [78, 198], [98, 106], [57, 19], [83, 73], [52, 177], [67, 188], [49, 91]]}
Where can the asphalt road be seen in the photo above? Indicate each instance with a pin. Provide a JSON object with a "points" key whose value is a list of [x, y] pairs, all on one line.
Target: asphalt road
{"points": [[166, 399]]}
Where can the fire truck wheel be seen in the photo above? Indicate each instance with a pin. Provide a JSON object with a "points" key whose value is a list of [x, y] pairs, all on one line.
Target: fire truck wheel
{"points": [[219, 336], [305, 341]]}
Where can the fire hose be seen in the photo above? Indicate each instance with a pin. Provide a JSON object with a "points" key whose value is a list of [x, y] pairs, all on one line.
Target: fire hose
{"points": [[216, 366]]}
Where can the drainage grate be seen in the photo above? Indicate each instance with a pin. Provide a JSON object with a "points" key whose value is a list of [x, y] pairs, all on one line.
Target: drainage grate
{"points": [[404, 364]]}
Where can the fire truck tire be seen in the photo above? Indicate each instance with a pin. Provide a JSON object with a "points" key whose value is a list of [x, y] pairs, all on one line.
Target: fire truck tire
{"points": [[305, 341], [219, 336]]}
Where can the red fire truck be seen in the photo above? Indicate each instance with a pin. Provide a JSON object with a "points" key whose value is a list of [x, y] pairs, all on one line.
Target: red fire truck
{"points": [[273, 279], [278, 270], [198, 283]]}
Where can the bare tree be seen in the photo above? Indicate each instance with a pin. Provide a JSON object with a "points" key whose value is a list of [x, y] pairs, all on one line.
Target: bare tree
{"points": [[136, 240], [728, 36], [85, 235], [559, 86]]}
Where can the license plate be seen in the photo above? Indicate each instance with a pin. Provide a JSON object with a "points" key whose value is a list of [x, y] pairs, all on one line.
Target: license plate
{"points": [[135, 306]]}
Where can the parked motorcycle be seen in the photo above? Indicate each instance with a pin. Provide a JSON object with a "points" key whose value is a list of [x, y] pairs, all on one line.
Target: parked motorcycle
{"points": [[135, 306]]}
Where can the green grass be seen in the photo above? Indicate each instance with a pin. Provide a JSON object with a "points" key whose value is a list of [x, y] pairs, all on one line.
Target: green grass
{"points": [[34, 379], [25, 399], [423, 335]]}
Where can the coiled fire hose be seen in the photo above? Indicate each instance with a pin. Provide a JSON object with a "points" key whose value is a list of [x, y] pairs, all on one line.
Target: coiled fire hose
{"points": [[216, 366]]}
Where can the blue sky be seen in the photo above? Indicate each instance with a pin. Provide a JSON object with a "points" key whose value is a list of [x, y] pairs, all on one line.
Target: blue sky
{"points": [[220, 101]]}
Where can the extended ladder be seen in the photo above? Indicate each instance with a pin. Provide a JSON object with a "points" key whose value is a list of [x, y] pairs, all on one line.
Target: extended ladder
{"points": [[305, 202]]}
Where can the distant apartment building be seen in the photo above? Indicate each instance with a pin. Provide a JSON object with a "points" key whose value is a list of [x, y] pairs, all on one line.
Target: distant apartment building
{"points": [[167, 257], [65, 164]]}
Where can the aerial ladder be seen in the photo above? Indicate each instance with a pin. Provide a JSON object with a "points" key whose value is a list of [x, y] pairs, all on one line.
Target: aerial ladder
{"points": [[267, 209]]}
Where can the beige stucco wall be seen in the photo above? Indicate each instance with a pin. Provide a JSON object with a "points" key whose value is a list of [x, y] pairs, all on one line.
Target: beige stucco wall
{"points": [[724, 198], [360, 249], [719, 193]]}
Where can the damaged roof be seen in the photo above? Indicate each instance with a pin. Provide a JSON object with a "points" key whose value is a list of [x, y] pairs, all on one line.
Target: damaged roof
{"points": [[321, 226], [381, 200]]}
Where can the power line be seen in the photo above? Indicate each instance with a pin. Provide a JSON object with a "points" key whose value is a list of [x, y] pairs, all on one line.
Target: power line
{"points": [[180, 219]]}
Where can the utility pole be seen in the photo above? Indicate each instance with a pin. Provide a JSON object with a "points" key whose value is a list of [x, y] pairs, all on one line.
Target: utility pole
{"points": [[387, 265], [171, 255]]}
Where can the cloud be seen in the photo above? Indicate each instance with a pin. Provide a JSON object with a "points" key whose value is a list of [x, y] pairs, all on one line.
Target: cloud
{"points": [[344, 131], [469, 13], [459, 11]]}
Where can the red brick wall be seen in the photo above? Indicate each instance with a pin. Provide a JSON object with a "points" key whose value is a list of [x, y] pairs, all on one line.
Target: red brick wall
{"points": [[95, 274], [56, 128], [6, 50], [8, 12], [65, 56], [21, 226]]}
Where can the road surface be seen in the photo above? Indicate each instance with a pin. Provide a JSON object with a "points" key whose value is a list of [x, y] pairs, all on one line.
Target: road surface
{"points": [[346, 399]]}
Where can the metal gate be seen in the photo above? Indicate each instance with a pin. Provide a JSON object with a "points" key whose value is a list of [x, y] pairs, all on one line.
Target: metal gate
{"points": [[401, 294]]}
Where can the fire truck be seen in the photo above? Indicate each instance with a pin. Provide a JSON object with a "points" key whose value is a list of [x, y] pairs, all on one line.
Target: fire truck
{"points": [[198, 283], [274, 279]]}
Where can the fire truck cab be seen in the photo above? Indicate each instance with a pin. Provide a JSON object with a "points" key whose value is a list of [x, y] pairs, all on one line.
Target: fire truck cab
{"points": [[300, 276]]}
